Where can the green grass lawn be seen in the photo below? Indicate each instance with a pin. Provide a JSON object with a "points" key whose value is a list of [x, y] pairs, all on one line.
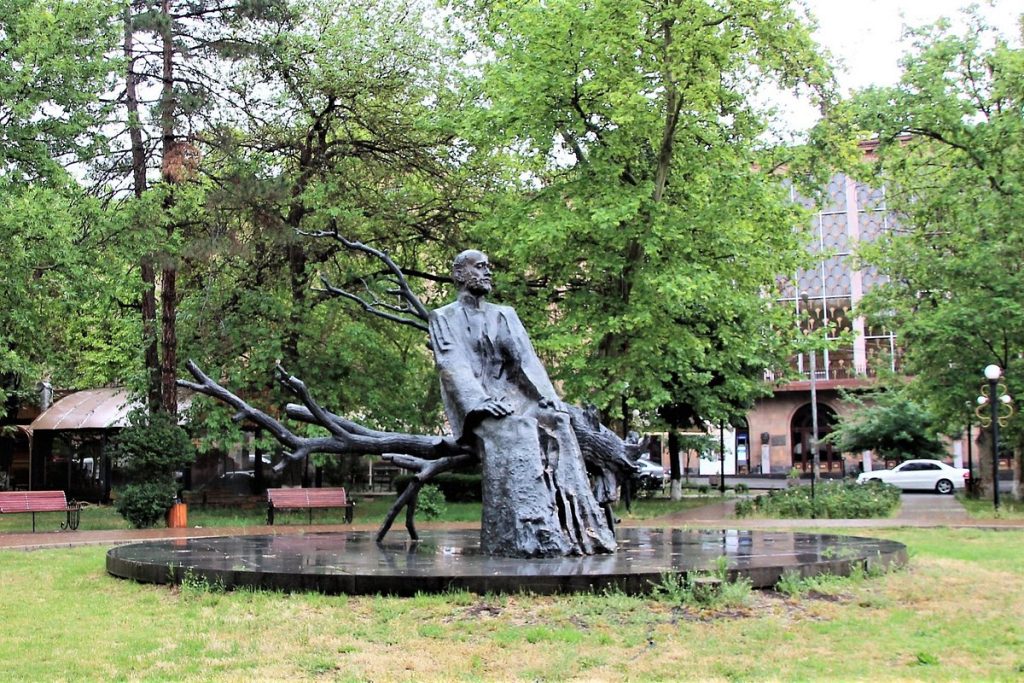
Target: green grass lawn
{"points": [[953, 614]]}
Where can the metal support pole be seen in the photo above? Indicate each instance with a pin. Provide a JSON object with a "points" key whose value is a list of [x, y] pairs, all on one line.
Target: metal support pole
{"points": [[993, 404], [815, 460], [721, 457]]}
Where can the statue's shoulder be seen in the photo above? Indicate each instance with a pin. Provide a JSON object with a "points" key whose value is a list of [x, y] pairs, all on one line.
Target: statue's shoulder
{"points": [[446, 311], [506, 312], [500, 308]]}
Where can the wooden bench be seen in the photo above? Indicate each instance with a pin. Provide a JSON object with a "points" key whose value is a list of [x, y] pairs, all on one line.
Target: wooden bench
{"points": [[12, 502], [307, 499]]}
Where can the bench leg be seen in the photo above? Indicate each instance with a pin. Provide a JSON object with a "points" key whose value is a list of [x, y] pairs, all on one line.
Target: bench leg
{"points": [[73, 518]]}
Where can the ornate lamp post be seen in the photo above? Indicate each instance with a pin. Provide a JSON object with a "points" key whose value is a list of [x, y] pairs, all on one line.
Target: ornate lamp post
{"points": [[1000, 403]]}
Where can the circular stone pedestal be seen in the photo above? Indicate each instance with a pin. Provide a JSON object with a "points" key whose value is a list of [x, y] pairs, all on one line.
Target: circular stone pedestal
{"points": [[353, 563]]}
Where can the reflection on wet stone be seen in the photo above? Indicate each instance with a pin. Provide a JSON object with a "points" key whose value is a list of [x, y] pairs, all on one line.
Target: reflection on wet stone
{"points": [[354, 563]]}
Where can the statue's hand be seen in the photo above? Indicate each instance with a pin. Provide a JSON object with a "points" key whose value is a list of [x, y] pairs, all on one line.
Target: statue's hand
{"points": [[553, 404], [492, 407]]}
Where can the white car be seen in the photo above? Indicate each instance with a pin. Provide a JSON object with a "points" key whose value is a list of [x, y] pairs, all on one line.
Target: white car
{"points": [[649, 476], [931, 475]]}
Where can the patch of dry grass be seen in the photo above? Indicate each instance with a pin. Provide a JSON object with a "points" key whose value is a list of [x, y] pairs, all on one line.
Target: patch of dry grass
{"points": [[953, 614]]}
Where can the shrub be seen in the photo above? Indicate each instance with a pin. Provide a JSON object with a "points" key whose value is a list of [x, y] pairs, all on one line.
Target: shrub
{"points": [[148, 451], [431, 502], [832, 500], [144, 504]]}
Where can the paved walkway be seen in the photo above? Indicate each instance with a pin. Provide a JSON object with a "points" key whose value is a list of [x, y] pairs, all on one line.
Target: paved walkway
{"points": [[917, 510]]}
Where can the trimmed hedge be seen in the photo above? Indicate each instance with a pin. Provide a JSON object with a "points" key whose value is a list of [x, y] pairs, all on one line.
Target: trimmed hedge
{"points": [[832, 500], [457, 488]]}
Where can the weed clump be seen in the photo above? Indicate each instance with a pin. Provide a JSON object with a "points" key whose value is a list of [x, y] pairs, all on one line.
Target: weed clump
{"points": [[713, 590]]}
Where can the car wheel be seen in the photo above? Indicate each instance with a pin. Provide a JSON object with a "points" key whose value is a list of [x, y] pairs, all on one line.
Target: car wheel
{"points": [[944, 486]]}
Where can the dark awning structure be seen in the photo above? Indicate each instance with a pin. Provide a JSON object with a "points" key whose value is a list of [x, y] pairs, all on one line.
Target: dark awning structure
{"points": [[68, 441]]}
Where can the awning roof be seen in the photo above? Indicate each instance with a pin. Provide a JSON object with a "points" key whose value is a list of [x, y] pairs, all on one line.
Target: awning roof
{"points": [[92, 409]]}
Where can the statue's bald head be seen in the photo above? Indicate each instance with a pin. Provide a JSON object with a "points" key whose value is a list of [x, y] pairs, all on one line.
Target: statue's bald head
{"points": [[472, 271]]}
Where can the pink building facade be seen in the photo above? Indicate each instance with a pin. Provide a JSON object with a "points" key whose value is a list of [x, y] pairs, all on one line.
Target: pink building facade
{"points": [[779, 427]]}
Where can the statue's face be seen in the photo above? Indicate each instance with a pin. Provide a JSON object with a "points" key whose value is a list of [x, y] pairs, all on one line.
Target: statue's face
{"points": [[476, 274]]}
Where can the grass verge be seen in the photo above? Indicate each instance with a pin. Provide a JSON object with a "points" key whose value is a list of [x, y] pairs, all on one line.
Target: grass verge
{"points": [[953, 614], [983, 509]]}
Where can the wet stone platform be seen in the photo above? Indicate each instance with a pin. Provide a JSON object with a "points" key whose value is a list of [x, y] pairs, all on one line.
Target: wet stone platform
{"points": [[354, 563]]}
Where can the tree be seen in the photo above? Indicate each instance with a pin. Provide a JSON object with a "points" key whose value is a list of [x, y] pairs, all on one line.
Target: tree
{"points": [[949, 154], [308, 147], [52, 71], [176, 50], [149, 451], [639, 197], [890, 424]]}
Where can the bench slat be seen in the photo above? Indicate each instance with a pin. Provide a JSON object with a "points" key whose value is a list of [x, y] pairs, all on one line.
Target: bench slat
{"points": [[32, 501], [307, 499], [303, 498]]}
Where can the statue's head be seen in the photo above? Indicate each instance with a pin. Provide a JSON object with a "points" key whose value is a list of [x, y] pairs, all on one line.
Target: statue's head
{"points": [[471, 271]]}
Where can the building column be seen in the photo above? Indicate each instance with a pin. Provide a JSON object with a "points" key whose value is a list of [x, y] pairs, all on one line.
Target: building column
{"points": [[860, 356]]}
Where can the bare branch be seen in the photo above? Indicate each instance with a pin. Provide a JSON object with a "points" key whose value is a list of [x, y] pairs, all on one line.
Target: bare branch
{"points": [[426, 470], [347, 438], [415, 305], [372, 307]]}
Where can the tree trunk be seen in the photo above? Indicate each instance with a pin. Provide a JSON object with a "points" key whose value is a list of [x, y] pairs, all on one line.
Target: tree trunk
{"points": [[674, 468], [169, 362], [148, 272], [298, 285], [1017, 487], [169, 275], [984, 464]]}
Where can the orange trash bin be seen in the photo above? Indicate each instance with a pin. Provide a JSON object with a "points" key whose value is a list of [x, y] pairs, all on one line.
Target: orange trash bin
{"points": [[177, 516]]}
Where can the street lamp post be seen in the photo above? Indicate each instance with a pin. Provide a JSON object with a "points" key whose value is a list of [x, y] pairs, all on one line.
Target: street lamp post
{"points": [[815, 458], [721, 457], [993, 395]]}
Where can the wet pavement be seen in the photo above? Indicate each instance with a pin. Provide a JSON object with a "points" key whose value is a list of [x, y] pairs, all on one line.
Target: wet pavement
{"points": [[353, 563]]}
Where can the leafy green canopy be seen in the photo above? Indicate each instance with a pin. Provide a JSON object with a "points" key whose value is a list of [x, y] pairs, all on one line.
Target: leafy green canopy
{"points": [[950, 156], [61, 312], [892, 425], [53, 67], [637, 196]]}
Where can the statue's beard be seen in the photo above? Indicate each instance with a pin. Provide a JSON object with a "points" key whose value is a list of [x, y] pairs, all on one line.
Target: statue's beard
{"points": [[478, 286]]}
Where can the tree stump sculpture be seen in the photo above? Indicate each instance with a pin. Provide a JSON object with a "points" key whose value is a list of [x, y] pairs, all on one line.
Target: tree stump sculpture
{"points": [[503, 410]]}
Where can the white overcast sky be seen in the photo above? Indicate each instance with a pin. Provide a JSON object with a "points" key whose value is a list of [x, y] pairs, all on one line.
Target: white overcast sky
{"points": [[865, 35]]}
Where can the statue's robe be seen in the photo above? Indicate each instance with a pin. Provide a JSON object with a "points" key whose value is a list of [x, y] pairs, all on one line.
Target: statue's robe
{"points": [[537, 500]]}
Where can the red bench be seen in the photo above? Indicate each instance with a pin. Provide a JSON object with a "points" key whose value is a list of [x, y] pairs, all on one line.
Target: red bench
{"points": [[307, 499], [12, 502]]}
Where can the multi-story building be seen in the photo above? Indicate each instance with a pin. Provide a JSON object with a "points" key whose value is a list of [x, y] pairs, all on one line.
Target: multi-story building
{"points": [[823, 299]]}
